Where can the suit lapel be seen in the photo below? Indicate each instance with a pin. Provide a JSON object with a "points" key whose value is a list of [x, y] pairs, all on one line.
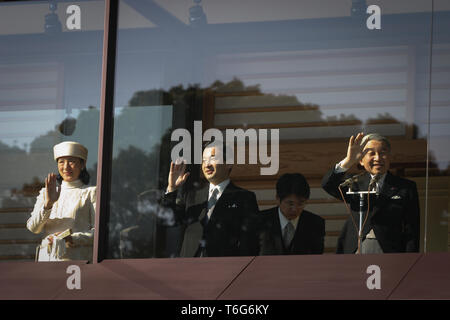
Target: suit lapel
{"points": [[277, 236], [389, 187], [387, 191], [300, 232], [201, 195], [194, 231]]}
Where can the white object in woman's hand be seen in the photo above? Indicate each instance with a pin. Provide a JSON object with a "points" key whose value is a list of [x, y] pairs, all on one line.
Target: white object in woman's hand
{"points": [[51, 191], [50, 237]]}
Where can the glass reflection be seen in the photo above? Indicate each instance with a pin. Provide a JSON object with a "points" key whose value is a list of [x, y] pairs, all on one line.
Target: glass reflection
{"points": [[50, 75], [437, 223], [316, 72]]}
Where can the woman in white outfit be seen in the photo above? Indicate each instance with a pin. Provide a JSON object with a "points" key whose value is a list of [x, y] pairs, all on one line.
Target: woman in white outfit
{"points": [[65, 213]]}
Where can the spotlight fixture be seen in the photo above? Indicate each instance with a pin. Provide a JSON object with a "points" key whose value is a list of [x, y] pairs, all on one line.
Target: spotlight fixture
{"points": [[359, 8], [52, 23], [67, 126], [197, 16]]}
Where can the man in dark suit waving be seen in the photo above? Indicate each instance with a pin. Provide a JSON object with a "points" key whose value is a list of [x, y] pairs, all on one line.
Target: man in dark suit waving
{"points": [[393, 221], [220, 218], [288, 228]]}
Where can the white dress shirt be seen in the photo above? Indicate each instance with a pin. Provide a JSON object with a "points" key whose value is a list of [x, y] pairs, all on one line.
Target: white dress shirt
{"points": [[284, 221]]}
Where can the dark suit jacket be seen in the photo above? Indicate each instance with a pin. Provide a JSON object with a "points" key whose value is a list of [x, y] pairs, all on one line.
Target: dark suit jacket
{"points": [[231, 229], [394, 214], [308, 238]]}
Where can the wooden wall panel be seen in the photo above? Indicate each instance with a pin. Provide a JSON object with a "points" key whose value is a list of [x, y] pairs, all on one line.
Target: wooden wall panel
{"points": [[314, 159]]}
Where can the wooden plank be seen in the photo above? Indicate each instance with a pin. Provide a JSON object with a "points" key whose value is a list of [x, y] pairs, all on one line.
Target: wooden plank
{"points": [[363, 105], [28, 68], [319, 277], [314, 159], [21, 86], [169, 278], [13, 226], [428, 279], [348, 89], [17, 257], [322, 54], [383, 121], [10, 210], [322, 73], [268, 109], [310, 201], [258, 184], [237, 93], [19, 241], [312, 124], [335, 217]]}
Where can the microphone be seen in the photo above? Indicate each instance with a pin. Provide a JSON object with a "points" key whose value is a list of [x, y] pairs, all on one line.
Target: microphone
{"points": [[350, 180]]}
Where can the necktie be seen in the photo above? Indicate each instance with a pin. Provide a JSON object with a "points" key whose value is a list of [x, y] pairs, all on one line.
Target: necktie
{"points": [[288, 234], [201, 251], [375, 187], [212, 201]]}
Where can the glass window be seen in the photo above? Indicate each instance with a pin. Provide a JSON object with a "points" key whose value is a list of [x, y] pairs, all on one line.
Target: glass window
{"points": [[50, 78], [437, 222], [310, 73]]}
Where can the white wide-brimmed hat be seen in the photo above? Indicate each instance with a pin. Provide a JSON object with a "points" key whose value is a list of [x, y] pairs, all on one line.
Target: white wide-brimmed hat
{"points": [[70, 149]]}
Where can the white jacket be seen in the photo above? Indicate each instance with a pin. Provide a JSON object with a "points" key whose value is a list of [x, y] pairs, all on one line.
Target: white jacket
{"points": [[75, 210]]}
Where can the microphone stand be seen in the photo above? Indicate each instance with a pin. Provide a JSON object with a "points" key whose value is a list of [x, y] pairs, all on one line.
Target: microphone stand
{"points": [[361, 213]]}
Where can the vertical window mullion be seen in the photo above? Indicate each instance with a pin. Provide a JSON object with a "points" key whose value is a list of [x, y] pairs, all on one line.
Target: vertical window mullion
{"points": [[106, 126]]}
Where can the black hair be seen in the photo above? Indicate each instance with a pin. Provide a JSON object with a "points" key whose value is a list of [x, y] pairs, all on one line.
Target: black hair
{"points": [[292, 183]]}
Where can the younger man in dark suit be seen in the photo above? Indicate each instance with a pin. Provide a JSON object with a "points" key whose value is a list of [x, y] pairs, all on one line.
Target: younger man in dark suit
{"points": [[220, 218], [288, 228], [393, 224]]}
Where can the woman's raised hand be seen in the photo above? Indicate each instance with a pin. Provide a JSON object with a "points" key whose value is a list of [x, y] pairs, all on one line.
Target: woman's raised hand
{"points": [[51, 191]]}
